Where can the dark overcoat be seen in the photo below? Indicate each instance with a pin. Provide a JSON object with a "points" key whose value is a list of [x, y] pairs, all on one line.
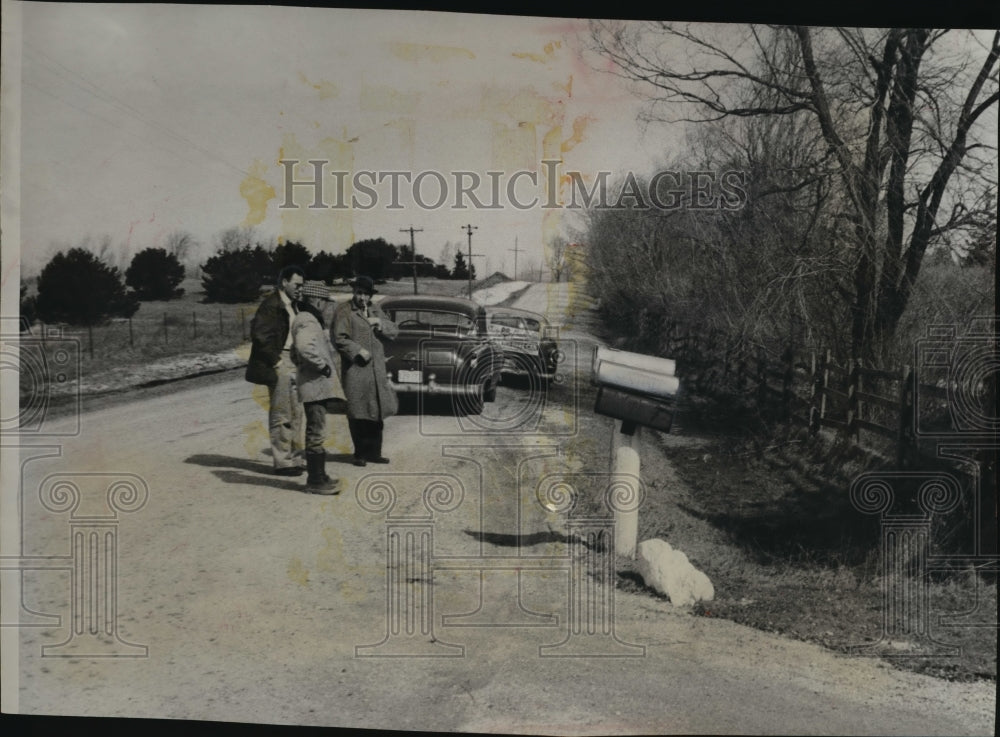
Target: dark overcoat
{"points": [[369, 395], [268, 332]]}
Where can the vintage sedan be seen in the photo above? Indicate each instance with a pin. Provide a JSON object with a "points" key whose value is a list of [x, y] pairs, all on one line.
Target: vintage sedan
{"points": [[530, 344], [443, 349]]}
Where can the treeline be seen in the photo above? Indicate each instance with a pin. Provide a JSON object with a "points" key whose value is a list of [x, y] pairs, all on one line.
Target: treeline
{"points": [[81, 287], [832, 195]]}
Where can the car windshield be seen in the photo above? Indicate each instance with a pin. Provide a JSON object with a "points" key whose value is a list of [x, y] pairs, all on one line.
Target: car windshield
{"points": [[516, 322], [432, 320]]}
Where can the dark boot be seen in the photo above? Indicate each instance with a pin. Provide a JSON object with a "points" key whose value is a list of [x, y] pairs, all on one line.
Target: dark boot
{"points": [[318, 482]]}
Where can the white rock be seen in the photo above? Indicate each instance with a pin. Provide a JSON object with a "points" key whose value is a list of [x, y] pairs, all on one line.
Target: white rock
{"points": [[670, 572]]}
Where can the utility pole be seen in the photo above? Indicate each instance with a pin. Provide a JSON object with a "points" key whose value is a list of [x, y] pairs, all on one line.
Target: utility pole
{"points": [[516, 250], [468, 229], [413, 253]]}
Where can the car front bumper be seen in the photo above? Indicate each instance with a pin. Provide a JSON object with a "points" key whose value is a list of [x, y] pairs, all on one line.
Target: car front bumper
{"points": [[432, 387]]}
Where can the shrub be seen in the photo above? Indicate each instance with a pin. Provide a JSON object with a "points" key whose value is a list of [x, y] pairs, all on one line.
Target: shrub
{"points": [[289, 254], [78, 288], [28, 310], [327, 267], [236, 275], [155, 274], [371, 257]]}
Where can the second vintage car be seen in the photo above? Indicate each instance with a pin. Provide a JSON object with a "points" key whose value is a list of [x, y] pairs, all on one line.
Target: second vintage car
{"points": [[443, 349], [529, 342]]}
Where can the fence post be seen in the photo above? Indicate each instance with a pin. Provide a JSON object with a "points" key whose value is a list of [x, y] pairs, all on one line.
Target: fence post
{"points": [[625, 460], [131, 338], [221, 329], [788, 359], [827, 359], [165, 327], [90, 340], [761, 378], [906, 410], [194, 324], [243, 324], [859, 405], [813, 391], [850, 428]]}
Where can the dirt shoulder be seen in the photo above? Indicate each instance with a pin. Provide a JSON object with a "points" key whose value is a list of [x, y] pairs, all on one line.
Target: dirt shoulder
{"points": [[788, 554]]}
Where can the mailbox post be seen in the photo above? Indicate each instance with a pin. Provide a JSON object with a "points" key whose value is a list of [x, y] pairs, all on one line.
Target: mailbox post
{"points": [[640, 391]]}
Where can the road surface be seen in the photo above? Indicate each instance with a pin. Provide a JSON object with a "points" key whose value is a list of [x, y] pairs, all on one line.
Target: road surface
{"points": [[435, 593]]}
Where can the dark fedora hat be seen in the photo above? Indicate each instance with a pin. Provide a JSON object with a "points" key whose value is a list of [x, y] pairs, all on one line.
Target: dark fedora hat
{"points": [[364, 283]]}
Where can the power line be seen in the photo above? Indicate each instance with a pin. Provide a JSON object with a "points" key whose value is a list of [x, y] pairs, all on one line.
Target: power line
{"points": [[516, 250], [468, 229], [83, 84], [413, 253]]}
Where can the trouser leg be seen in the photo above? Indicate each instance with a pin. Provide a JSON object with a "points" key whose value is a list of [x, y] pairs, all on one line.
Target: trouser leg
{"points": [[315, 414], [285, 416], [375, 447], [367, 437], [358, 437]]}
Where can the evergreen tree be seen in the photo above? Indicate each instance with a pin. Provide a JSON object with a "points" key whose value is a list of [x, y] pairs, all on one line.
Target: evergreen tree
{"points": [[78, 288], [155, 274]]}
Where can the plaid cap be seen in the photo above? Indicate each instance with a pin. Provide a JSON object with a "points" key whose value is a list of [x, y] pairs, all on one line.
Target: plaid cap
{"points": [[316, 289]]}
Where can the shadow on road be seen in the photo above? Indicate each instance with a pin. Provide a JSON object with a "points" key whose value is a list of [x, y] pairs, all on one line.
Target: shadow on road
{"points": [[219, 461], [235, 477], [506, 540]]}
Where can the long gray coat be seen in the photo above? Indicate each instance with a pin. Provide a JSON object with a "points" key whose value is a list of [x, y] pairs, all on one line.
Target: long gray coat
{"points": [[369, 396], [311, 352]]}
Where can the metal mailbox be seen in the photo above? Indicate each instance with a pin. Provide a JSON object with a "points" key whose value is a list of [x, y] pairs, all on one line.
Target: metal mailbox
{"points": [[635, 388]]}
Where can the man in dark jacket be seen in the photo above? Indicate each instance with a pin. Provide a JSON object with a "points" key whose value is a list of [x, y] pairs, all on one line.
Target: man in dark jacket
{"points": [[271, 364], [359, 327]]}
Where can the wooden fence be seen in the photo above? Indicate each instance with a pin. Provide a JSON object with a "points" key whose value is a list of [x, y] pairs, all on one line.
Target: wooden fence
{"points": [[874, 407], [177, 326]]}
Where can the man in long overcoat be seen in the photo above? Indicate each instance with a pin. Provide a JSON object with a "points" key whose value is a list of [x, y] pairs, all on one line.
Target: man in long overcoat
{"points": [[359, 327], [271, 364]]}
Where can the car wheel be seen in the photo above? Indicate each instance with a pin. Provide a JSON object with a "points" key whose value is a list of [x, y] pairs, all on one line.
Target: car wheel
{"points": [[474, 404]]}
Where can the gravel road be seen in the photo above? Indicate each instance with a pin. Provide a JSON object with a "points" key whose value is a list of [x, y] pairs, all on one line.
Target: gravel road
{"points": [[435, 593]]}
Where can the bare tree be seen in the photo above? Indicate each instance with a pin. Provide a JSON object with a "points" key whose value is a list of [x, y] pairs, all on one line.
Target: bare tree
{"points": [[181, 245], [448, 251], [555, 257], [896, 110], [233, 239]]}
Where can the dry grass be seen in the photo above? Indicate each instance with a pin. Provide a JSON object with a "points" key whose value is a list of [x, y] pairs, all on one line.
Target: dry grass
{"points": [[787, 553], [163, 329]]}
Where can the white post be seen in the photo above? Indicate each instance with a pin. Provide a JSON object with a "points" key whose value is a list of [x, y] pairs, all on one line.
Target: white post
{"points": [[625, 460]]}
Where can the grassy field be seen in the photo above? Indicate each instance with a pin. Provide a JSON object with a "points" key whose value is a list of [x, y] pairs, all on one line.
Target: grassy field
{"points": [[188, 325]]}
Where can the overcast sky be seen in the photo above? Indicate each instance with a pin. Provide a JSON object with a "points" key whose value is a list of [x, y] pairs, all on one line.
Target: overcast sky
{"points": [[140, 120]]}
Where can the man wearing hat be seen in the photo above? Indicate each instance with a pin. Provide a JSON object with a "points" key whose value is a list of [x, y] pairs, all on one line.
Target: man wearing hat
{"points": [[359, 327], [271, 364], [317, 379]]}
